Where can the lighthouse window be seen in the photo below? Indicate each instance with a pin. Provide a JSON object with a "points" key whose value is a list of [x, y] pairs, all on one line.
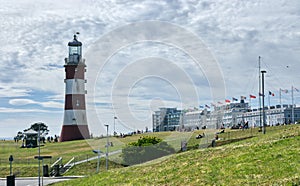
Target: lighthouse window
{"points": [[75, 50]]}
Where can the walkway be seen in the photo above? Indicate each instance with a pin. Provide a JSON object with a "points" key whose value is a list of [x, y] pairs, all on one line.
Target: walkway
{"points": [[96, 157], [33, 181]]}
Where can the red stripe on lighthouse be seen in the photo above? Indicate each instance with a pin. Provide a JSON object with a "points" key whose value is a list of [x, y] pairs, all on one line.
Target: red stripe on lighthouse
{"points": [[75, 102], [75, 71], [74, 132]]}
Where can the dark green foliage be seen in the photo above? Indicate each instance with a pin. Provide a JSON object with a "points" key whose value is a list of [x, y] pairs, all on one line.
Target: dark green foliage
{"points": [[146, 141], [39, 126], [145, 149], [19, 136]]}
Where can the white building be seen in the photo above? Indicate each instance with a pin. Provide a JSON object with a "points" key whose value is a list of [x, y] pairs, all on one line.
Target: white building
{"points": [[195, 119], [229, 115]]}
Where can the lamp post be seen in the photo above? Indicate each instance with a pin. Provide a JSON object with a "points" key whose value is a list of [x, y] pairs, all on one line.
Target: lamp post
{"points": [[263, 101], [11, 159], [39, 157], [39, 152], [10, 180], [106, 146], [115, 125]]}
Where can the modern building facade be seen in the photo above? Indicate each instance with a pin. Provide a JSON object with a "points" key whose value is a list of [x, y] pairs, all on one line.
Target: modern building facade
{"points": [[195, 119], [229, 115], [166, 119], [290, 113]]}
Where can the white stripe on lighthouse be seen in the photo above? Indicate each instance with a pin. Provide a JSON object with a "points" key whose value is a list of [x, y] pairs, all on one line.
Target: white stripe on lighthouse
{"points": [[75, 86], [75, 117]]}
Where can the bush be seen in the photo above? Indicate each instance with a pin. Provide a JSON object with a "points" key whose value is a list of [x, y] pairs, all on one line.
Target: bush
{"points": [[145, 149]]}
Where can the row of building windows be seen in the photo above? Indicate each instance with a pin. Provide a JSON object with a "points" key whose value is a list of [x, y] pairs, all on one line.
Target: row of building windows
{"points": [[222, 117]]}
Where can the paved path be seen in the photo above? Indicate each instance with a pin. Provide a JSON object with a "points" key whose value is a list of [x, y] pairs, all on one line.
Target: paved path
{"points": [[33, 181], [95, 157]]}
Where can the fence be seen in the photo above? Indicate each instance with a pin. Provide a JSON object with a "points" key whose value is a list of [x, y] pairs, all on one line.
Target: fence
{"points": [[27, 161]]}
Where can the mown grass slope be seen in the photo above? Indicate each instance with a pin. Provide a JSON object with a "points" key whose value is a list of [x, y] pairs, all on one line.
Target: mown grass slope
{"points": [[270, 159], [24, 163]]}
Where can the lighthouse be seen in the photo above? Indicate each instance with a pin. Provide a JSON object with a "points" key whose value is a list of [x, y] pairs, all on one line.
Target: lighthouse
{"points": [[75, 125]]}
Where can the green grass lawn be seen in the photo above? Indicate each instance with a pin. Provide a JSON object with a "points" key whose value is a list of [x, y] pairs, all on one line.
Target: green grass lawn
{"points": [[255, 159], [24, 163]]}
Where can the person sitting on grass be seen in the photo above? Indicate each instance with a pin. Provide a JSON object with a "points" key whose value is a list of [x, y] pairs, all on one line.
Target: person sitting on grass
{"points": [[200, 136]]}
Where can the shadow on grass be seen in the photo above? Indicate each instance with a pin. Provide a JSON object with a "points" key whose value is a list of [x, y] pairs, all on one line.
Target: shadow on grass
{"points": [[217, 143], [225, 142]]}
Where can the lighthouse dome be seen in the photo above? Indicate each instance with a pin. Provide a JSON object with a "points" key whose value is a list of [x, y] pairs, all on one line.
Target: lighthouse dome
{"points": [[75, 42]]}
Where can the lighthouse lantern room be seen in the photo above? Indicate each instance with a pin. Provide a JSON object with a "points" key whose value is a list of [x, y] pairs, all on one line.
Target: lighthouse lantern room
{"points": [[74, 50], [75, 125]]}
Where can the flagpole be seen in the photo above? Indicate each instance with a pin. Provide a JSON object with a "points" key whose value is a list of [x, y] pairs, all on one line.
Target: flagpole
{"points": [[250, 102], [280, 103], [269, 99], [269, 108], [280, 97], [259, 89], [293, 119]]}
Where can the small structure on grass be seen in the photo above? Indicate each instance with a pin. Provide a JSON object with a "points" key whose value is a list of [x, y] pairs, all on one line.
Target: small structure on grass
{"points": [[30, 138]]}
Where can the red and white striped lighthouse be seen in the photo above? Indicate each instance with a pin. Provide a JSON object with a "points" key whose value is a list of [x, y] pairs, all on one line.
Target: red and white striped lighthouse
{"points": [[75, 125]]}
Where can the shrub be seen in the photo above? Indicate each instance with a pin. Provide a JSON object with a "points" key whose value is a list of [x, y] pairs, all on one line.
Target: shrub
{"points": [[145, 149]]}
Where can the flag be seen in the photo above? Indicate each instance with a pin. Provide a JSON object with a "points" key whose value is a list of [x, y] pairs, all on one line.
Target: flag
{"points": [[207, 106], [243, 97], [296, 89], [284, 90], [260, 94], [227, 101], [252, 96], [271, 93], [234, 99]]}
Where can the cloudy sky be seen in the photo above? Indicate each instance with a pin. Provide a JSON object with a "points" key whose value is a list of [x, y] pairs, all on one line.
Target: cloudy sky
{"points": [[142, 55]]}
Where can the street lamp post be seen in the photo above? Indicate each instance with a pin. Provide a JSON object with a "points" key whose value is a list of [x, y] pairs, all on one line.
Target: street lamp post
{"points": [[263, 100], [115, 125], [39, 157], [39, 152], [106, 146]]}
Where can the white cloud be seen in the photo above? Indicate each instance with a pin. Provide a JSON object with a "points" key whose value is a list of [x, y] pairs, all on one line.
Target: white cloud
{"points": [[18, 102], [48, 104], [6, 90], [34, 37], [14, 110], [52, 104]]}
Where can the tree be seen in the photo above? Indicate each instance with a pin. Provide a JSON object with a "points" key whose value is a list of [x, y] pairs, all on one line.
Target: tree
{"points": [[145, 149], [39, 126], [19, 136]]}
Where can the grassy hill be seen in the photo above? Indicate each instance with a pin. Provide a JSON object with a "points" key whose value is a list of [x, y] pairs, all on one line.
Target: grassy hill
{"points": [[248, 158], [24, 163]]}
